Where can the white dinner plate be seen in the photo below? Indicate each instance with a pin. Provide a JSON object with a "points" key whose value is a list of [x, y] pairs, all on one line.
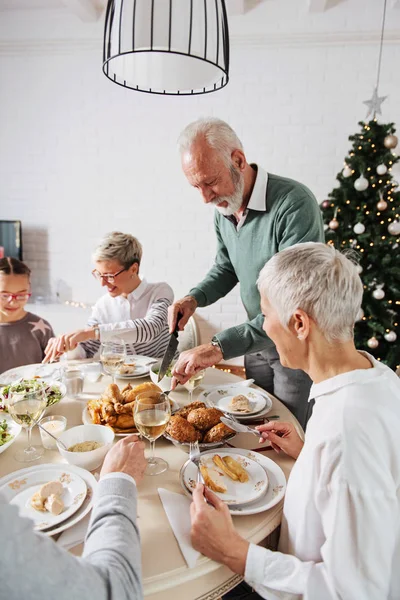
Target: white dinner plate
{"points": [[142, 366], [13, 429], [276, 483], [20, 489], [44, 371], [256, 403], [87, 419], [86, 506], [212, 396], [237, 492]]}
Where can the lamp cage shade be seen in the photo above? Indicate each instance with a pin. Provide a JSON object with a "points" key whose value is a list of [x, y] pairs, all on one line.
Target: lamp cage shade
{"points": [[171, 47]]}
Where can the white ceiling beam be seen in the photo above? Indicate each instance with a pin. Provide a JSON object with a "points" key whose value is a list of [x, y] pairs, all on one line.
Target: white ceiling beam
{"points": [[86, 10], [317, 5]]}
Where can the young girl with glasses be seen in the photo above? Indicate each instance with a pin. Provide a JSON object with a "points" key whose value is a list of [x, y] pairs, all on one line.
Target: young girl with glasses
{"points": [[23, 335]]}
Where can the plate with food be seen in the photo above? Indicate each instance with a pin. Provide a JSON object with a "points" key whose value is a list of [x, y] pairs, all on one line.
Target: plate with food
{"points": [[214, 395], [85, 507], [46, 496], [9, 431], [136, 366], [198, 422], [274, 493], [115, 407], [235, 479], [248, 403], [54, 390]]}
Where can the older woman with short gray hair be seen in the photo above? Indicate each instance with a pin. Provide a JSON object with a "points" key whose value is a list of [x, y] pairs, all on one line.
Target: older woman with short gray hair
{"points": [[340, 535], [132, 309]]}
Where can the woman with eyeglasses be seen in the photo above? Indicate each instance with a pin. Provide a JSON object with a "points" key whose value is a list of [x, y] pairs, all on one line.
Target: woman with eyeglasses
{"points": [[23, 335], [132, 309]]}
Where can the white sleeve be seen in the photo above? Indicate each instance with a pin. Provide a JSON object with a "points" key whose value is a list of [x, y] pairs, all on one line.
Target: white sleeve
{"points": [[140, 330], [360, 537]]}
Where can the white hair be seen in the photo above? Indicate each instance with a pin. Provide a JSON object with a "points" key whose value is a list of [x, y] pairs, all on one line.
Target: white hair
{"points": [[317, 279], [218, 135], [122, 247]]}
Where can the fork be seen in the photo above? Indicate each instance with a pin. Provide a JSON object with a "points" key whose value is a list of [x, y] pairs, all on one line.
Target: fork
{"points": [[194, 456]]}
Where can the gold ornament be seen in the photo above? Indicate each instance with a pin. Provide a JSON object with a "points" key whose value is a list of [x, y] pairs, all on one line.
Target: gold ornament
{"points": [[382, 205], [390, 141], [334, 224], [373, 343]]}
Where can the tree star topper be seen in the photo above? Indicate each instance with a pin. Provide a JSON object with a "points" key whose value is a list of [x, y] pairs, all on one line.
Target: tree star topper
{"points": [[374, 104]]}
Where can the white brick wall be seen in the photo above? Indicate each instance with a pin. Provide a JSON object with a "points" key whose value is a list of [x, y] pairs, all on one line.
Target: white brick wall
{"points": [[80, 156]]}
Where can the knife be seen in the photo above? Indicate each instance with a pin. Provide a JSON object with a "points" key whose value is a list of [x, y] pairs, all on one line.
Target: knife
{"points": [[170, 351]]}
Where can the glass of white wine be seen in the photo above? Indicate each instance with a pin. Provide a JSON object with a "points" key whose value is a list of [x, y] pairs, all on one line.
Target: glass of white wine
{"points": [[112, 356], [26, 408], [194, 382], [151, 413]]}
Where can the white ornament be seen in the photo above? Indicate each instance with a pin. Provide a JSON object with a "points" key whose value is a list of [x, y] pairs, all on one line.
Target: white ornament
{"points": [[360, 315], [394, 228], [347, 172], [378, 294], [358, 228], [390, 336], [381, 169], [373, 343], [361, 184], [359, 269]]}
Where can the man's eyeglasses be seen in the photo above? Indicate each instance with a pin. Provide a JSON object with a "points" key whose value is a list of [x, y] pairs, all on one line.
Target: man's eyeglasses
{"points": [[18, 297], [110, 278]]}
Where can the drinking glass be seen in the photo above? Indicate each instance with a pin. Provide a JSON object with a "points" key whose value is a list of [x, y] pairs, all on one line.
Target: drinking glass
{"points": [[112, 356], [26, 408], [194, 382], [151, 413]]}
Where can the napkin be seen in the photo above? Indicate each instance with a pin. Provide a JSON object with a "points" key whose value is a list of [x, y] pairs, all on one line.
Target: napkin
{"points": [[244, 383], [74, 535], [177, 508]]}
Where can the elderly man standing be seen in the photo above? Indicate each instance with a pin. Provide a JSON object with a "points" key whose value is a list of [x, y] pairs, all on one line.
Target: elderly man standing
{"points": [[258, 214]]}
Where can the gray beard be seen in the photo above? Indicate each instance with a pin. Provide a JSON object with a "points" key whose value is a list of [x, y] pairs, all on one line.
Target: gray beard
{"points": [[234, 201]]}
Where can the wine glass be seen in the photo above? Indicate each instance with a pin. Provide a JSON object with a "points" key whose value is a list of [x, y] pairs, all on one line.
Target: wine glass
{"points": [[151, 413], [194, 382], [26, 408], [112, 356]]}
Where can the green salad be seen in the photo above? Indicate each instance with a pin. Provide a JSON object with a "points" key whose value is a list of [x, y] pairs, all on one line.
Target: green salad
{"points": [[4, 435], [52, 391], [167, 374]]}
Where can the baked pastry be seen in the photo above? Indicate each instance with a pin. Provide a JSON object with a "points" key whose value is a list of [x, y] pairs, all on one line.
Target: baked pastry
{"points": [[240, 404], [217, 433], [181, 430], [204, 418], [210, 483], [183, 412]]}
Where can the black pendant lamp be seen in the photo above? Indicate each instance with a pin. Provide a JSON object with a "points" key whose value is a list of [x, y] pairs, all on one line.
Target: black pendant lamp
{"points": [[171, 47]]}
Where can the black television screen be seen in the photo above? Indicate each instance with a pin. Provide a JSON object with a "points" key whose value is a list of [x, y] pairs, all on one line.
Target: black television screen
{"points": [[11, 239]]}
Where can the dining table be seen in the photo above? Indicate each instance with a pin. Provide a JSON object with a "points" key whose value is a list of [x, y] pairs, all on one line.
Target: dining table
{"points": [[166, 575]]}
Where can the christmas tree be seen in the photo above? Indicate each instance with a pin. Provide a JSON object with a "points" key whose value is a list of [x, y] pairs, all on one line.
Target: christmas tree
{"points": [[363, 214]]}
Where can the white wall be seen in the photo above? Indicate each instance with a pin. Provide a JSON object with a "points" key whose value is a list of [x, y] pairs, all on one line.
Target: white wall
{"points": [[80, 156]]}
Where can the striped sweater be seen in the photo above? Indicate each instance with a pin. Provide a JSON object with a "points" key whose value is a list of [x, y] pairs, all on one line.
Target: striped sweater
{"points": [[140, 320]]}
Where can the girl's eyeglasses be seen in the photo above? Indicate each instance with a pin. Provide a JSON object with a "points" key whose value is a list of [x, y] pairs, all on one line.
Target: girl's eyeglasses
{"points": [[4, 297]]}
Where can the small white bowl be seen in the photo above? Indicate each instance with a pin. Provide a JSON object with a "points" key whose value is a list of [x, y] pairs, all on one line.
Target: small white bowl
{"points": [[86, 433], [165, 383]]}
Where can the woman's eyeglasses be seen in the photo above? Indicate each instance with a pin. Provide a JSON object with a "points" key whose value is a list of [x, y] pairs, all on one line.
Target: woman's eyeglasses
{"points": [[110, 278], [5, 297]]}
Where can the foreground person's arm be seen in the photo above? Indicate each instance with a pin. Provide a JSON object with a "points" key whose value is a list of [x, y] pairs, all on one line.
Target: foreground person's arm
{"points": [[34, 567]]}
